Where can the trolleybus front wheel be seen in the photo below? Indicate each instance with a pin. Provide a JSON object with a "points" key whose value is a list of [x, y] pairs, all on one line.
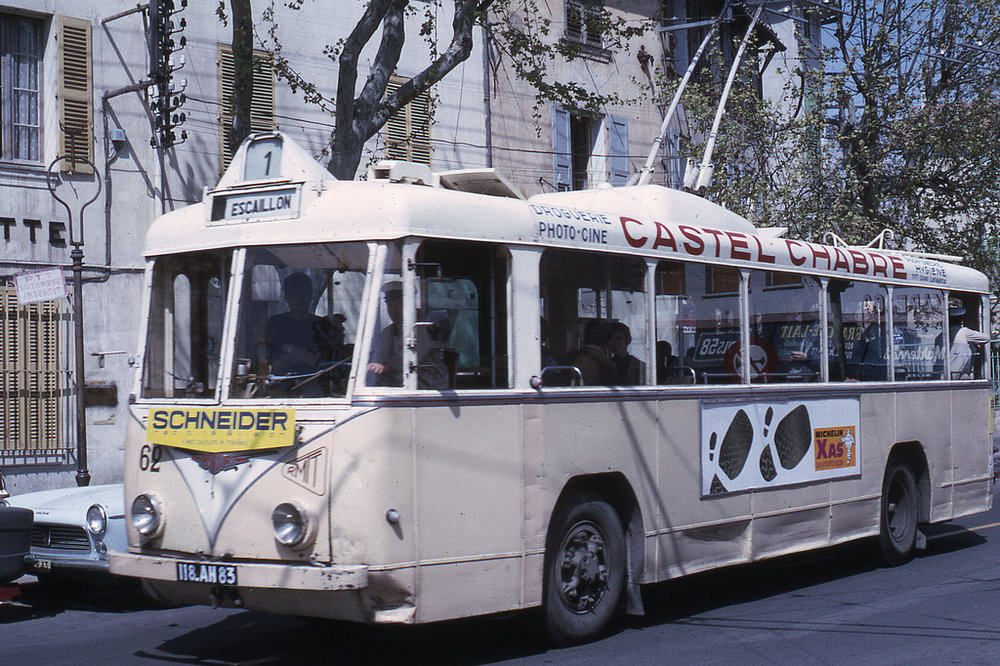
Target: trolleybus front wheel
{"points": [[585, 570], [897, 537]]}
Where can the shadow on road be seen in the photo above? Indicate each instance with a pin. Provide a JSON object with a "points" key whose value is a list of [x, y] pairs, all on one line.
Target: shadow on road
{"points": [[257, 637], [263, 638], [48, 599], [698, 593]]}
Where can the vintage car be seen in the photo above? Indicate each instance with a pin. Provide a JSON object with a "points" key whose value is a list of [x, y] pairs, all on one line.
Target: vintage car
{"points": [[74, 529]]}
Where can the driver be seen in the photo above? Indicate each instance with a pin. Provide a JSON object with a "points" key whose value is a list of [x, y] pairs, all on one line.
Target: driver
{"points": [[297, 341]]}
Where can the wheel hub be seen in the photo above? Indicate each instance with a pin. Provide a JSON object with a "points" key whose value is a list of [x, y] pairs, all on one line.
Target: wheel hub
{"points": [[584, 571]]}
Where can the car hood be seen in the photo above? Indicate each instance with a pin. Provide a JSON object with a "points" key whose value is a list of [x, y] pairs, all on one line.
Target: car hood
{"points": [[71, 504]]}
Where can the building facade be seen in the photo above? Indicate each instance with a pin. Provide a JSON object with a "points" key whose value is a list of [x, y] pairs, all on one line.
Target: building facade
{"points": [[75, 84], [74, 78]]}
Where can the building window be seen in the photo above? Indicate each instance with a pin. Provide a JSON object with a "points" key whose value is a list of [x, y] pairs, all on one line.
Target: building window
{"points": [[588, 149], [32, 414], [20, 88], [585, 22], [262, 109], [582, 138], [408, 132]]}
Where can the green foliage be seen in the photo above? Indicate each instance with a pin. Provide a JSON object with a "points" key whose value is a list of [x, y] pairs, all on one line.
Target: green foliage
{"points": [[521, 35], [519, 31], [896, 128]]}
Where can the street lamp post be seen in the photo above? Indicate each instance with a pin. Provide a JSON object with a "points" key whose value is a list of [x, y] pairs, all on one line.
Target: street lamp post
{"points": [[76, 257]]}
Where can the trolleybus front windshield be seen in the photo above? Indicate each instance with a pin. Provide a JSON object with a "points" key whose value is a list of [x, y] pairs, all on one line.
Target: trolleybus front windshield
{"points": [[298, 320], [184, 336]]}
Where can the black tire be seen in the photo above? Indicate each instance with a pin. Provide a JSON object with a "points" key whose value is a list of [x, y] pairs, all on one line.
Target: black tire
{"points": [[897, 538], [584, 570]]}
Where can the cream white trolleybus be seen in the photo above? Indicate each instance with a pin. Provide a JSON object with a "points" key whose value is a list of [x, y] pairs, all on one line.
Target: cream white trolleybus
{"points": [[423, 397]]}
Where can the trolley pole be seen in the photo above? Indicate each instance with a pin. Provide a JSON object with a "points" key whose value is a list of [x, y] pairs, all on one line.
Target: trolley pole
{"points": [[76, 257]]}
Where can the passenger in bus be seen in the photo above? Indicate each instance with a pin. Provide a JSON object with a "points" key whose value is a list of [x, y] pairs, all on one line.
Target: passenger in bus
{"points": [[630, 370], [592, 359], [869, 361], [548, 358], [388, 366], [666, 362], [963, 339], [432, 364], [297, 341]]}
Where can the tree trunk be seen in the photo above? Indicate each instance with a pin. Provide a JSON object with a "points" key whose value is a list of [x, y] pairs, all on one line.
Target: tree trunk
{"points": [[243, 71], [361, 114]]}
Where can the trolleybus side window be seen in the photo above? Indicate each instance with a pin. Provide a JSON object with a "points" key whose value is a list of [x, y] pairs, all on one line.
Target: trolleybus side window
{"points": [[858, 330], [918, 316], [586, 300], [298, 319], [462, 315], [697, 323], [385, 362], [185, 325], [784, 327], [968, 336]]}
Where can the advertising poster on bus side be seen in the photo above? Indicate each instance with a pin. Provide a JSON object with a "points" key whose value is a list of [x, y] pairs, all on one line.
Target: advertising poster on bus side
{"points": [[767, 445]]}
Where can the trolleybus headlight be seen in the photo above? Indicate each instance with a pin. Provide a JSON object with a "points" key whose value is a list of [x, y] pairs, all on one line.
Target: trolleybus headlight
{"points": [[291, 524], [97, 520], [146, 516]]}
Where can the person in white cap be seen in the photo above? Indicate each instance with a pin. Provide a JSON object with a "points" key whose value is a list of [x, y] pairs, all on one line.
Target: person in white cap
{"points": [[962, 339], [387, 365]]}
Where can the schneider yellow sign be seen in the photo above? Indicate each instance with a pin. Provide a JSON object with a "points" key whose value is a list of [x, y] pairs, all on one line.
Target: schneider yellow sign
{"points": [[221, 430]]}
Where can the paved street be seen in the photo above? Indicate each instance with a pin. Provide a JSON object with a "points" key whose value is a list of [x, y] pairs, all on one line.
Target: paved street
{"points": [[831, 607]]}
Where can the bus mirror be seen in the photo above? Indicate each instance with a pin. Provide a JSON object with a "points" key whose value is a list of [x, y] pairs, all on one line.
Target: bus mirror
{"points": [[535, 382]]}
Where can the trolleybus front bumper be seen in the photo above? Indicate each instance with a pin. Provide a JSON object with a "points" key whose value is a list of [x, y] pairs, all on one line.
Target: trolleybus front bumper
{"points": [[240, 573]]}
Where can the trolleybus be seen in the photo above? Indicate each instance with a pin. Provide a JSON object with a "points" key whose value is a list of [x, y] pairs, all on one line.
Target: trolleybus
{"points": [[399, 400]]}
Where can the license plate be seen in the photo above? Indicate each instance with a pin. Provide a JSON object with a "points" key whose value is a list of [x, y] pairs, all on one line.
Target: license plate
{"points": [[202, 572], [41, 565]]}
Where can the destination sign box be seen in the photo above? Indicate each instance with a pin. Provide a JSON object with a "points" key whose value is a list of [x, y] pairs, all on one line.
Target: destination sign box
{"points": [[255, 206]]}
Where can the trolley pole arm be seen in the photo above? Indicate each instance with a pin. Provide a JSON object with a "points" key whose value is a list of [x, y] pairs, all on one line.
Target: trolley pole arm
{"points": [[705, 170], [646, 174]]}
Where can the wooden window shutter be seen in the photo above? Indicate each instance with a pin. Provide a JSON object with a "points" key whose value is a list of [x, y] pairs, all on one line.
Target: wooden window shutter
{"points": [[10, 403], [408, 132], [76, 79], [562, 163], [263, 117], [618, 157], [31, 420], [584, 19]]}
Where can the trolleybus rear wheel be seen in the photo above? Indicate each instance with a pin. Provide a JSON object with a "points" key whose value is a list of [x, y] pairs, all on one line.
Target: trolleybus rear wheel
{"points": [[898, 525], [585, 570]]}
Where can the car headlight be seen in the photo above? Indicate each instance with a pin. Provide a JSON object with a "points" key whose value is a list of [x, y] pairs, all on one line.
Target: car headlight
{"points": [[97, 520], [291, 524], [146, 515]]}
